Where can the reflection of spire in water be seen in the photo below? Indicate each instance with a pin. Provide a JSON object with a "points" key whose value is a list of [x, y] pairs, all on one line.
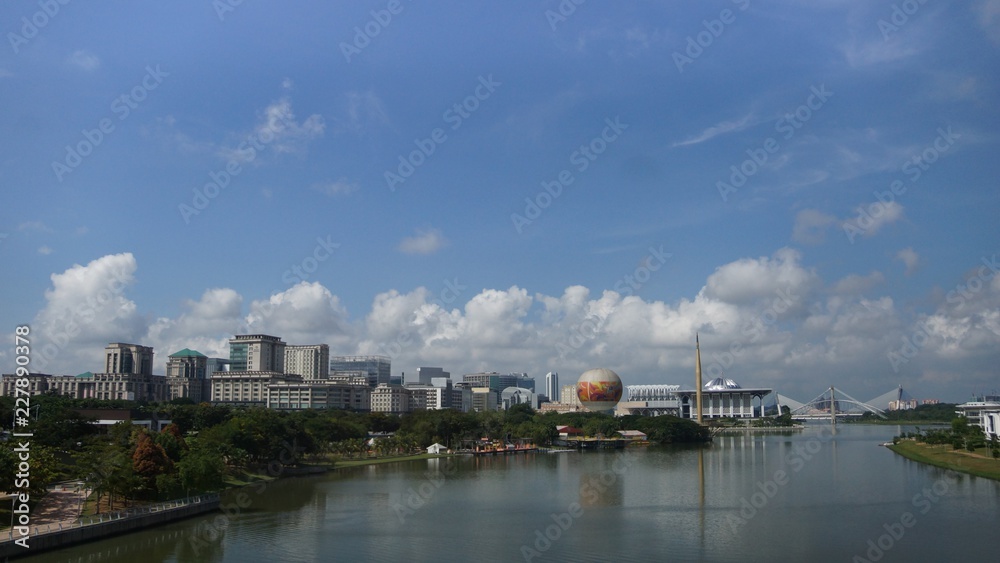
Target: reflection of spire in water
{"points": [[701, 495], [833, 444]]}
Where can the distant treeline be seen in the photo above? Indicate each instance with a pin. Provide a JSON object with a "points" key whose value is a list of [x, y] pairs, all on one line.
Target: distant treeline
{"points": [[941, 412]]}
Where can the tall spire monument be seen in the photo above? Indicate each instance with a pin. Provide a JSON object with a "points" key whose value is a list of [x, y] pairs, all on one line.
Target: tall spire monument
{"points": [[697, 376]]}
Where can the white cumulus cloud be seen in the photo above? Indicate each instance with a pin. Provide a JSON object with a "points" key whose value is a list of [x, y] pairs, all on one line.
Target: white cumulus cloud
{"points": [[85, 309], [766, 321], [425, 241]]}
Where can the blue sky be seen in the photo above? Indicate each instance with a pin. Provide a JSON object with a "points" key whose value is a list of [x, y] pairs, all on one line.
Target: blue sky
{"points": [[825, 106]]}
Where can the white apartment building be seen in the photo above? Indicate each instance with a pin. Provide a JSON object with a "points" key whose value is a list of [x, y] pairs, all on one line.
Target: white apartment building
{"points": [[429, 397], [310, 361]]}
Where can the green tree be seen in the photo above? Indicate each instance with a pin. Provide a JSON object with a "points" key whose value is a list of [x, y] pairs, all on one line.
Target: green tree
{"points": [[8, 466], [107, 471], [172, 442], [490, 424], [606, 427], [45, 468], [207, 416], [381, 422], [201, 469], [59, 426], [517, 414], [123, 483], [671, 429], [960, 426]]}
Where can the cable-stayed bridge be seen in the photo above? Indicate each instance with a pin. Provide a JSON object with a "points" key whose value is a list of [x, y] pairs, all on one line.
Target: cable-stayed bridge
{"points": [[836, 403]]}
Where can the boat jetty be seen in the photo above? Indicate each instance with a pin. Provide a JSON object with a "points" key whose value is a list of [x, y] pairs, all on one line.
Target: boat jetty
{"points": [[499, 447]]}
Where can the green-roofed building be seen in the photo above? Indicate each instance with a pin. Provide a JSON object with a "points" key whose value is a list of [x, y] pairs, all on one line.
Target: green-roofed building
{"points": [[187, 375], [188, 353]]}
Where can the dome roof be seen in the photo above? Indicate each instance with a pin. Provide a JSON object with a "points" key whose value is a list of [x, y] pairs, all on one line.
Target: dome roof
{"points": [[721, 384]]}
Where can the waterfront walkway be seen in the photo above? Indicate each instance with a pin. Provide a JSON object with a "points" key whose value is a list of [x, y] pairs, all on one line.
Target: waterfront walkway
{"points": [[61, 505]]}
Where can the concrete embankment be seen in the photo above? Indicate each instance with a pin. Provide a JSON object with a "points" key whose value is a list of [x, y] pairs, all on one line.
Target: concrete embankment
{"points": [[45, 538]]}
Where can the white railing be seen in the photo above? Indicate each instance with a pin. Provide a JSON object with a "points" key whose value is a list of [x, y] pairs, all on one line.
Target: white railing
{"points": [[118, 515]]}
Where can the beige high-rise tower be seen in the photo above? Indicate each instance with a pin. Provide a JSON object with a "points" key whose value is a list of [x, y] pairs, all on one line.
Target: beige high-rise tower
{"points": [[697, 376]]}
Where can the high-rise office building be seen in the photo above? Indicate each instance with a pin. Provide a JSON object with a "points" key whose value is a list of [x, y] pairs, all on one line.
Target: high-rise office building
{"points": [[310, 361], [187, 376], [213, 365], [552, 386], [377, 368], [128, 359], [257, 352], [425, 375]]}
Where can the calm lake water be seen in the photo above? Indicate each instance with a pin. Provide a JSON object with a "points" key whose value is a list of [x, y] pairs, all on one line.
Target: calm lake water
{"points": [[809, 496]]}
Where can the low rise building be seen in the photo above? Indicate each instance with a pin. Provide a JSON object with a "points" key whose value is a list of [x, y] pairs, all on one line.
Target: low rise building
{"points": [[567, 401], [104, 419], [390, 399], [298, 395], [107, 386], [650, 400], [38, 383], [982, 411], [246, 388]]}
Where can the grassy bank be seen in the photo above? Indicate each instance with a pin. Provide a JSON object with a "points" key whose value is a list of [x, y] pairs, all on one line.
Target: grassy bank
{"points": [[979, 463]]}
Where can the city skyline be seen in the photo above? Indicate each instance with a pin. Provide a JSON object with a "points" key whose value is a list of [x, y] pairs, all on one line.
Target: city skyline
{"points": [[810, 188]]}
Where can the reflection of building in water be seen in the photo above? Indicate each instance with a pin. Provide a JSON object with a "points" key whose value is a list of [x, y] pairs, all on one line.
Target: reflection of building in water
{"points": [[602, 488]]}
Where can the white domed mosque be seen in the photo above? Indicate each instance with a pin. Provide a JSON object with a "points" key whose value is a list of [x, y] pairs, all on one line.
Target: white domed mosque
{"points": [[721, 397], [724, 398]]}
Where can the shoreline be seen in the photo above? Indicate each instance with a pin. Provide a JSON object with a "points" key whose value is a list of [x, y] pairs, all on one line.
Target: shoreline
{"points": [[347, 464], [956, 460], [757, 429]]}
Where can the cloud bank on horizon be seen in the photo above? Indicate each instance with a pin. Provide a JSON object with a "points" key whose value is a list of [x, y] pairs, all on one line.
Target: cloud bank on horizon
{"points": [[811, 187], [767, 320]]}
